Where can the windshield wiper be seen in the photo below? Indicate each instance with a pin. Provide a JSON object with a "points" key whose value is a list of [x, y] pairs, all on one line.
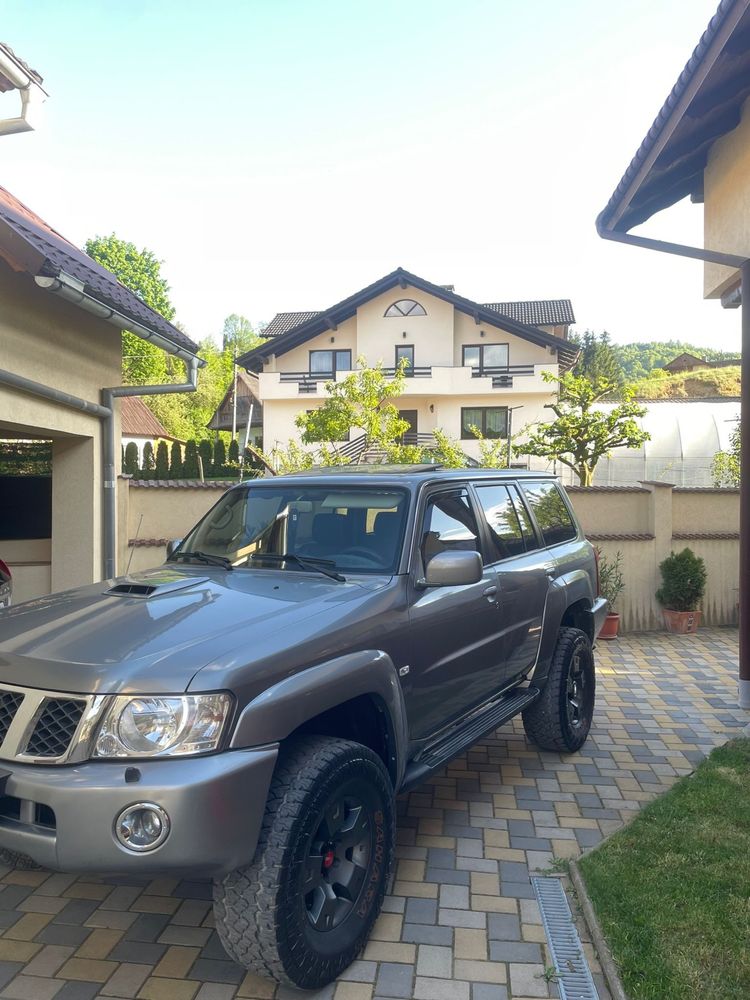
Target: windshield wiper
{"points": [[205, 557], [306, 562]]}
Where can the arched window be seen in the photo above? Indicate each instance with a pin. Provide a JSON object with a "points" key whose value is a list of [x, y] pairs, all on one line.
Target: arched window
{"points": [[405, 307]]}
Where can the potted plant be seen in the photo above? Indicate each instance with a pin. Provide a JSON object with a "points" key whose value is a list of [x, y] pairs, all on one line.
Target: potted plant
{"points": [[611, 585], [683, 577]]}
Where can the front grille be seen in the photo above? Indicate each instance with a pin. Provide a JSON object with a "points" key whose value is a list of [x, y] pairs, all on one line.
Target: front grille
{"points": [[56, 727], [9, 704]]}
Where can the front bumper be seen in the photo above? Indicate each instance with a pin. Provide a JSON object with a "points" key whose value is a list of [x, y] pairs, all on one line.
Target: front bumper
{"points": [[63, 817]]}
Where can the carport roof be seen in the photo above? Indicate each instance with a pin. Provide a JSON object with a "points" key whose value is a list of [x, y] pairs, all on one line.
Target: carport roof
{"points": [[28, 243]]}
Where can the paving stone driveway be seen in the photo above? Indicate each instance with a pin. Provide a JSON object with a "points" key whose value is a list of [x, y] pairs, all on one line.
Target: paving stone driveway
{"points": [[462, 923]]}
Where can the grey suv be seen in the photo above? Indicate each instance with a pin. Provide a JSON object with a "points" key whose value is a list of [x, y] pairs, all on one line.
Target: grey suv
{"points": [[316, 644]]}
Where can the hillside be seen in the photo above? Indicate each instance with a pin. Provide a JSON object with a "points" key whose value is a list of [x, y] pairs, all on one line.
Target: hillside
{"points": [[702, 384], [638, 359]]}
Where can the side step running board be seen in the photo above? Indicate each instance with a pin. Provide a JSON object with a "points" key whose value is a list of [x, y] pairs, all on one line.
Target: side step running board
{"points": [[465, 735]]}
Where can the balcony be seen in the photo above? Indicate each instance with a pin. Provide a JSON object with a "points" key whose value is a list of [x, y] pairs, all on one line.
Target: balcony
{"points": [[430, 380]]}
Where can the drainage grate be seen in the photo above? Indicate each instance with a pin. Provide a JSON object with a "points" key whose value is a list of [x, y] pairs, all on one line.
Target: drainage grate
{"points": [[573, 974]]}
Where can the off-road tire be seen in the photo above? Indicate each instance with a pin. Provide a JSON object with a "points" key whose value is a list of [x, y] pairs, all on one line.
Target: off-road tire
{"points": [[547, 721], [260, 910]]}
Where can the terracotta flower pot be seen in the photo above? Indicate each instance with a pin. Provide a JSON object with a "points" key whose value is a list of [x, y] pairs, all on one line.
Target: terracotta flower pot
{"points": [[681, 622], [611, 626]]}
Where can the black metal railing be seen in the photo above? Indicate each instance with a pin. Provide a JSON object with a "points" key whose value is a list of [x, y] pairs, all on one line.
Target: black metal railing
{"points": [[502, 375]]}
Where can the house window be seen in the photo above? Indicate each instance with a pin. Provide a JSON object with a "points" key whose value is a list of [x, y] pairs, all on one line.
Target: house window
{"points": [[492, 421], [485, 356], [405, 351], [405, 307], [330, 362]]}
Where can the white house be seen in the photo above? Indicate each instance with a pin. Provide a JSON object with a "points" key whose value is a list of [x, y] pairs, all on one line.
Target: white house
{"points": [[469, 363]]}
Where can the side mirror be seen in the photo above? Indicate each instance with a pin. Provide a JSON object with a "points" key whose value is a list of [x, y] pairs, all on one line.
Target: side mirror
{"points": [[172, 545], [453, 569]]}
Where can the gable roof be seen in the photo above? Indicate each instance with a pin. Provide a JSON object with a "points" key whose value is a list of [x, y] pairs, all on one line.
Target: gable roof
{"points": [[248, 394], [704, 104], [320, 322], [539, 312], [136, 420], [28, 243]]}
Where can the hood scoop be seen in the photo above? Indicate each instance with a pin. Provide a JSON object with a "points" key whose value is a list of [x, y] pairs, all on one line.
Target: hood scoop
{"points": [[154, 584]]}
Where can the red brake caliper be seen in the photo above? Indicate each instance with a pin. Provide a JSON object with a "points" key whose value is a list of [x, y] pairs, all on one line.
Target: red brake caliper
{"points": [[328, 859]]}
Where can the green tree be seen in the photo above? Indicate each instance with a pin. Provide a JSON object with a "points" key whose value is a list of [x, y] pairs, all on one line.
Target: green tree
{"points": [[140, 271], [206, 452], [238, 335], [581, 435], [190, 464], [598, 359], [493, 452], [162, 461], [233, 454], [147, 468], [220, 458], [361, 400], [725, 467], [175, 461], [130, 465]]}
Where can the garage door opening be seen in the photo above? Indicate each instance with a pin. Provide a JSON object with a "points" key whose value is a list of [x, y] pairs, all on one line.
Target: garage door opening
{"points": [[26, 514]]}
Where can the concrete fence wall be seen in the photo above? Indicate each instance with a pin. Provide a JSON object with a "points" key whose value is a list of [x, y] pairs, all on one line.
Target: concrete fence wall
{"points": [[645, 523]]}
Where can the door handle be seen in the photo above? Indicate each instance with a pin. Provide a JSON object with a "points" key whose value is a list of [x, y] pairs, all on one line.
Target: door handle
{"points": [[489, 591]]}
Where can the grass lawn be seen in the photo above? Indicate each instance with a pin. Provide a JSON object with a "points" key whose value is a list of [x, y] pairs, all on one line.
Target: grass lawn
{"points": [[672, 890]]}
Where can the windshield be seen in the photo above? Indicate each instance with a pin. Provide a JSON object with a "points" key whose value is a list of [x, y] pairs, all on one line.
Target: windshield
{"points": [[355, 530]]}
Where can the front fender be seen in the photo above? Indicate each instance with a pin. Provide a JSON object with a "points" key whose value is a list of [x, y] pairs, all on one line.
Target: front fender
{"points": [[285, 706], [573, 587]]}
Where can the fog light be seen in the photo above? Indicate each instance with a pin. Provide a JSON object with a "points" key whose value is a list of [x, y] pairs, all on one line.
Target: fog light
{"points": [[142, 827]]}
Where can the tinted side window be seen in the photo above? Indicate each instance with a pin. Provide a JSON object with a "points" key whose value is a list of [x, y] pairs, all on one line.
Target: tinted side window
{"points": [[550, 511], [506, 535], [449, 525]]}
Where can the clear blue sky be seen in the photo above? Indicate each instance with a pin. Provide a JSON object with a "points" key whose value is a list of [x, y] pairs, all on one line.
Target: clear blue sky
{"points": [[281, 154]]}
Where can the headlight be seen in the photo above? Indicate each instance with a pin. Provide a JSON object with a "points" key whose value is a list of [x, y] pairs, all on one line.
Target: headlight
{"points": [[153, 726]]}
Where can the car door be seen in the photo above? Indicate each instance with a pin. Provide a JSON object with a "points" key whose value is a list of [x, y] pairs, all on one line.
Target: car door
{"points": [[523, 569], [453, 631]]}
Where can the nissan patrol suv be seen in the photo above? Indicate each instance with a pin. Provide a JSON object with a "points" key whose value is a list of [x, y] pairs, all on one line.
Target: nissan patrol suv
{"points": [[318, 643]]}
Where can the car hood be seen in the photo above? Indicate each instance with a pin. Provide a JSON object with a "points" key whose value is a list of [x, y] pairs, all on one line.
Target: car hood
{"points": [[153, 631]]}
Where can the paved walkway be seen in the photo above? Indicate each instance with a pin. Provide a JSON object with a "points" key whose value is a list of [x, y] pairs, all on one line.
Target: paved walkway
{"points": [[462, 923]]}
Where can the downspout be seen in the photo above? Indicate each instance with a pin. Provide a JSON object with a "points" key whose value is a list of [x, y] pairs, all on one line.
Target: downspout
{"points": [[743, 264], [109, 446], [31, 93]]}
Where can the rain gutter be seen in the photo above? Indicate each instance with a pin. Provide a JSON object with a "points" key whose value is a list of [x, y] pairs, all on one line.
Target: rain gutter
{"points": [[72, 290], [743, 264]]}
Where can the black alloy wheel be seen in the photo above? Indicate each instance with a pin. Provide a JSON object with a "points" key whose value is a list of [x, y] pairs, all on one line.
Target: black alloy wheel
{"points": [[338, 861]]}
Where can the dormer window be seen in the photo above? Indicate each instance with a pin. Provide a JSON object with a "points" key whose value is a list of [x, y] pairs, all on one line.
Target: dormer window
{"points": [[405, 307]]}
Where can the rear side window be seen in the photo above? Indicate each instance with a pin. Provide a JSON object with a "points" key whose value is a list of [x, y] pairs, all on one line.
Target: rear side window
{"points": [[551, 512], [511, 533]]}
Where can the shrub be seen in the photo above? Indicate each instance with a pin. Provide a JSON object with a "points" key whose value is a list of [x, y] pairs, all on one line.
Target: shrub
{"points": [[683, 577], [147, 469], [611, 581], [162, 460], [190, 465], [220, 458], [130, 466], [234, 452], [206, 451], [175, 461]]}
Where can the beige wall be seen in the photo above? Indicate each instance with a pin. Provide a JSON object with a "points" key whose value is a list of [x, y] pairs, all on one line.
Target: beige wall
{"points": [[151, 513], [726, 209], [46, 339], [30, 563], [646, 524]]}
